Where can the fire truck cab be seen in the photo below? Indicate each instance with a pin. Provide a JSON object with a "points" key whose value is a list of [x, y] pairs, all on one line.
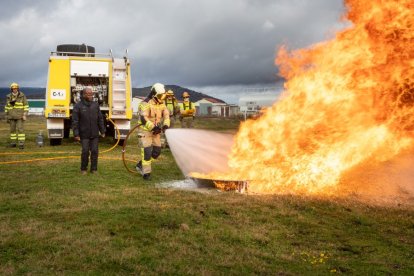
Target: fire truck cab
{"points": [[72, 68]]}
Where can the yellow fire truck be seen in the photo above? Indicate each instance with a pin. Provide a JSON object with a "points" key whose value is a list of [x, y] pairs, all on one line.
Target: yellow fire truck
{"points": [[73, 67]]}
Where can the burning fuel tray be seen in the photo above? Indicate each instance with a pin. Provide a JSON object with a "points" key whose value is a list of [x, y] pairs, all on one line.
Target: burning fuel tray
{"points": [[224, 185]]}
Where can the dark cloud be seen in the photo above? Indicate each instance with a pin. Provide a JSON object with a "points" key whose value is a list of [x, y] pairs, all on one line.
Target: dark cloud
{"points": [[190, 43]]}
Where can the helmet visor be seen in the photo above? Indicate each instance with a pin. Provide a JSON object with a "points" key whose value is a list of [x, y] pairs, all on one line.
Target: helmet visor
{"points": [[161, 96]]}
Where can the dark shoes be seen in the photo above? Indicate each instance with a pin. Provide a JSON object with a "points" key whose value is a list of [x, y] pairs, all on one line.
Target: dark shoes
{"points": [[13, 145], [138, 167], [85, 172], [146, 176]]}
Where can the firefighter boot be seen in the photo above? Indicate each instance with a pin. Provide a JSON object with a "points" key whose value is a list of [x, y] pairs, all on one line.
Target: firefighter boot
{"points": [[12, 145], [146, 176], [138, 167], [21, 146]]}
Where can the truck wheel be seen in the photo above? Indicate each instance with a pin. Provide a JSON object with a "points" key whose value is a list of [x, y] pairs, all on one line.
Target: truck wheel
{"points": [[75, 48], [121, 142], [110, 131], [66, 129], [55, 142]]}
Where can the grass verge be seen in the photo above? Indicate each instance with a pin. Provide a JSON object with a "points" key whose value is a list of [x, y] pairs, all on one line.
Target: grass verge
{"points": [[55, 221]]}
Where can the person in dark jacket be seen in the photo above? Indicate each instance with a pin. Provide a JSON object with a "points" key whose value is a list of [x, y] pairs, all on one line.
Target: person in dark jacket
{"points": [[88, 124]]}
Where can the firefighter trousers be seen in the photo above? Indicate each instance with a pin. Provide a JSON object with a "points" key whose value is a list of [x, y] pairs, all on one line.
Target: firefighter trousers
{"points": [[150, 145], [187, 122], [17, 131]]}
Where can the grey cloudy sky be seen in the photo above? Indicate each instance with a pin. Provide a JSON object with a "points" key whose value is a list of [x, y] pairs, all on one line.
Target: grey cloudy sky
{"points": [[191, 43]]}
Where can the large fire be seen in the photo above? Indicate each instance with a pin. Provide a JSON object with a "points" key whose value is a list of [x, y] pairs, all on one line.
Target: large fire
{"points": [[346, 101]]}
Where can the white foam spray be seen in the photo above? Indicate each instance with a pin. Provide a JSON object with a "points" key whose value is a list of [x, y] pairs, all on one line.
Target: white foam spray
{"points": [[200, 151]]}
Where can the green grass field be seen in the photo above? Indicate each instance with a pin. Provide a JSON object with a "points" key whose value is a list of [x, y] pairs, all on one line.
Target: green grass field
{"points": [[55, 221]]}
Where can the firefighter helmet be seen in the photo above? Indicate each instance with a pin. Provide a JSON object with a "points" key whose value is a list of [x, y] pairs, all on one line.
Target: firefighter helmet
{"points": [[14, 86], [186, 95], [158, 91], [170, 93]]}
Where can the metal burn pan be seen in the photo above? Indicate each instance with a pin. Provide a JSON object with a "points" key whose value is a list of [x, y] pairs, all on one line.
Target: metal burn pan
{"points": [[240, 186]]}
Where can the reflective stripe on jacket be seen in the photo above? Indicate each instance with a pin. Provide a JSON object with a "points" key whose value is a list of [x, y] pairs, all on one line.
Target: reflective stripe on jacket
{"points": [[16, 105], [171, 104], [187, 109], [152, 113]]}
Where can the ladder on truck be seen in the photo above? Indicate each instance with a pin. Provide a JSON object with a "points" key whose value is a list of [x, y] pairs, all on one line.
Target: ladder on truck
{"points": [[119, 81]]}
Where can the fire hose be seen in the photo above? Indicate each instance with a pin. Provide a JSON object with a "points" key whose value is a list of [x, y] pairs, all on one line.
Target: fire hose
{"points": [[124, 149], [61, 152]]}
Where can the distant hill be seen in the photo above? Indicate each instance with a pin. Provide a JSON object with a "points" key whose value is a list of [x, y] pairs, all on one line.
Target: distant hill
{"points": [[39, 93], [30, 92], [178, 91]]}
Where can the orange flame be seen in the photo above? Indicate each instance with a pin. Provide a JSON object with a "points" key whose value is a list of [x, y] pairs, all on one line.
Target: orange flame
{"points": [[346, 101]]}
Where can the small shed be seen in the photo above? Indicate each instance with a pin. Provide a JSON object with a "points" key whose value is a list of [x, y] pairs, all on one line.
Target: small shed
{"points": [[203, 107], [213, 107], [36, 106]]}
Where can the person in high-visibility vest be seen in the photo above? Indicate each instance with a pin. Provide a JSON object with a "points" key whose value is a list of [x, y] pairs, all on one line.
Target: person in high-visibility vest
{"points": [[187, 111], [172, 106], [16, 110], [154, 118]]}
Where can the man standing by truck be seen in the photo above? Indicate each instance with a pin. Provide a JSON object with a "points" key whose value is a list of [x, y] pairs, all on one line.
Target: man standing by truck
{"points": [[88, 124], [16, 113]]}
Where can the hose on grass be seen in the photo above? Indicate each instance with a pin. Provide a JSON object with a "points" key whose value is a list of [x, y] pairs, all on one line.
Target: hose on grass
{"points": [[59, 152], [124, 150]]}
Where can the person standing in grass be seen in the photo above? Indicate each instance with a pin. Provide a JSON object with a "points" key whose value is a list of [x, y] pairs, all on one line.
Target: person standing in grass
{"points": [[187, 111], [172, 106], [88, 124], [16, 110], [154, 118]]}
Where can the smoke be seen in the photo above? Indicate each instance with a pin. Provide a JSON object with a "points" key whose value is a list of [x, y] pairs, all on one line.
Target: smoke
{"points": [[200, 151]]}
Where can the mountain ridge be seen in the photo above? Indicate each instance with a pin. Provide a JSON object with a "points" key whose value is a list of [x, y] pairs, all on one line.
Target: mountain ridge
{"points": [[39, 93]]}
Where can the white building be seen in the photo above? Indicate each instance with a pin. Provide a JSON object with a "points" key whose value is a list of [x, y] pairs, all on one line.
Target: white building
{"points": [[252, 103], [214, 107]]}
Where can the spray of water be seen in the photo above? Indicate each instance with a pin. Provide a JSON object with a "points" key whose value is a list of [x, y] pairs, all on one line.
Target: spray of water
{"points": [[203, 151], [200, 151]]}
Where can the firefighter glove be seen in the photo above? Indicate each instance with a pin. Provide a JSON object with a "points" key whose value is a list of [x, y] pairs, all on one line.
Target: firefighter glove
{"points": [[156, 130], [164, 128]]}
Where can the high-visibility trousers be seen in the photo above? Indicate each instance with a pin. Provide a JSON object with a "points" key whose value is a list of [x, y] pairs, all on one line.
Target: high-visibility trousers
{"points": [[150, 145], [17, 131]]}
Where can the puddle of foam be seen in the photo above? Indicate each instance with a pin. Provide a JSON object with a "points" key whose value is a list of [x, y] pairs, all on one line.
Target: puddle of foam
{"points": [[187, 184]]}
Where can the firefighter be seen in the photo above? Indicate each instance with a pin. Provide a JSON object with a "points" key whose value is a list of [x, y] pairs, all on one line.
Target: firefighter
{"points": [[187, 111], [172, 106], [16, 113], [154, 118]]}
